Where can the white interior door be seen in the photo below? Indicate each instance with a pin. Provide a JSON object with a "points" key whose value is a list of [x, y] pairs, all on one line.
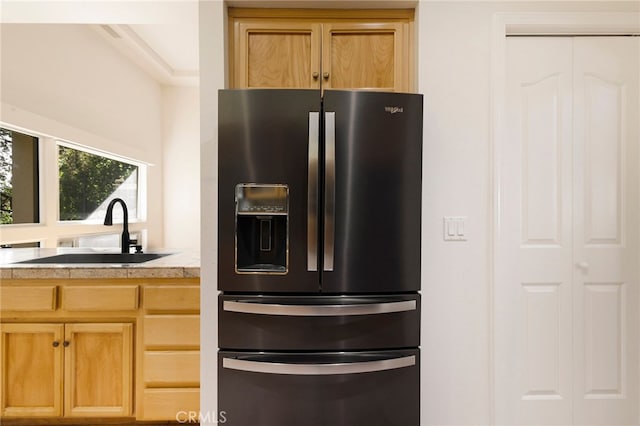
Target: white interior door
{"points": [[566, 297], [606, 191]]}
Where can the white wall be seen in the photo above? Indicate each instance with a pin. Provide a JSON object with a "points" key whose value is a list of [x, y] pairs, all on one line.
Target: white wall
{"points": [[65, 81], [212, 65], [454, 78], [181, 166]]}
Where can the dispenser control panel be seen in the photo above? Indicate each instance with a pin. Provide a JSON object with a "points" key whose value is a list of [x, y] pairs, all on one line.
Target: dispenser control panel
{"points": [[262, 228], [262, 198]]}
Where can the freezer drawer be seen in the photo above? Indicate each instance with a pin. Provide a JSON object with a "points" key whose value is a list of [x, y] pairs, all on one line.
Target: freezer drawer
{"points": [[266, 323], [319, 389]]}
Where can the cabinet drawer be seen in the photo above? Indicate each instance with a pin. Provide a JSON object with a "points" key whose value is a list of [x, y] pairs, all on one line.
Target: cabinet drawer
{"points": [[170, 404], [100, 298], [171, 298], [172, 368], [28, 298], [172, 331]]}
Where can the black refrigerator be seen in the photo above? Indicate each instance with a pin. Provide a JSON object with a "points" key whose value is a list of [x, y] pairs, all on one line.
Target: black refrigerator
{"points": [[319, 257]]}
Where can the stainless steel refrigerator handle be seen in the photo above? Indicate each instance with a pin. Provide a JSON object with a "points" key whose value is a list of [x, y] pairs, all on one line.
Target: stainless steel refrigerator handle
{"points": [[312, 192], [319, 310], [329, 189], [318, 369]]}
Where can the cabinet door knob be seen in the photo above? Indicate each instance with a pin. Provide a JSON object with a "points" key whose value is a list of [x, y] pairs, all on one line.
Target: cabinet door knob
{"points": [[315, 75], [325, 75], [56, 343], [66, 343]]}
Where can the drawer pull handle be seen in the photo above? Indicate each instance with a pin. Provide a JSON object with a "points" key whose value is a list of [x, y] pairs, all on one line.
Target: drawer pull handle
{"points": [[318, 369], [66, 343], [56, 343], [319, 310]]}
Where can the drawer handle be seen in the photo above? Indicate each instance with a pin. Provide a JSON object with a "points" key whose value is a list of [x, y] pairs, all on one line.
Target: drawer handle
{"points": [[318, 369], [318, 310], [56, 343]]}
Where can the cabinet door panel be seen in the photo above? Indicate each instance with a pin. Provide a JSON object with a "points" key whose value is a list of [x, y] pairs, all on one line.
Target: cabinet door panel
{"points": [[31, 370], [98, 369], [273, 55], [364, 56]]}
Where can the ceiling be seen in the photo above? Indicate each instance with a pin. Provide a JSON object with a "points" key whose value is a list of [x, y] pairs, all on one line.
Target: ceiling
{"points": [[161, 36], [168, 52]]}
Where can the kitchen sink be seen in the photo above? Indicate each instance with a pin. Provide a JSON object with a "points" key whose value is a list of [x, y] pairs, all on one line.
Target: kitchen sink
{"points": [[97, 258]]}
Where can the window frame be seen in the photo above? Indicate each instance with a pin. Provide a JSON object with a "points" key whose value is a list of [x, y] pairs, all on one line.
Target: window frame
{"points": [[51, 229]]}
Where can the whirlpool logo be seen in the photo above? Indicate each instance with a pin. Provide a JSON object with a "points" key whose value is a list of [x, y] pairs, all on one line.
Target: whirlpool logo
{"points": [[393, 109]]}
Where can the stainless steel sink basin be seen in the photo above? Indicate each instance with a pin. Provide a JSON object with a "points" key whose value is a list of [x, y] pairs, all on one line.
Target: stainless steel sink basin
{"points": [[115, 258]]}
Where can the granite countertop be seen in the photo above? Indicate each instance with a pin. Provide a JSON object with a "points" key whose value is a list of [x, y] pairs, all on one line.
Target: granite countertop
{"points": [[177, 264]]}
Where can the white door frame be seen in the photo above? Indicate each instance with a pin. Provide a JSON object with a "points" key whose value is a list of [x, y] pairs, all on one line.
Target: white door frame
{"points": [[527, 23]]}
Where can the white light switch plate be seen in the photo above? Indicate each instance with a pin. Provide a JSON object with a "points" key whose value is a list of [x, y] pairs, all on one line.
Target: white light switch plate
{"points": [[454, 228]]}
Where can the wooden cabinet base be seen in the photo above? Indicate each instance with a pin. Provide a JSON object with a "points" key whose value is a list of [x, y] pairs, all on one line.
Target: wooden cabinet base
{"points": [[99, 351]]}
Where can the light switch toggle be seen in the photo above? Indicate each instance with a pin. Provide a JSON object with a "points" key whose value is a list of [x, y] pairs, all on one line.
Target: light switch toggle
{"points": [[454, 228]]}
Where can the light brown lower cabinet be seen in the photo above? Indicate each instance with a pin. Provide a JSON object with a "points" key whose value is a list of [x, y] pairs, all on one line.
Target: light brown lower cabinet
{"points": [[70, 370], [99, 348]]}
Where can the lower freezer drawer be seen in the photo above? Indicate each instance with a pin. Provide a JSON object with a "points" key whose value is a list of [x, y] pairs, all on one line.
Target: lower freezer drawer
{"points": [[319, 389], [319, 322]]}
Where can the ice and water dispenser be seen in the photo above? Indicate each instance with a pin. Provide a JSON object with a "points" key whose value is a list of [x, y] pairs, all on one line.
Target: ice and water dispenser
{"points": [[262, 237]]}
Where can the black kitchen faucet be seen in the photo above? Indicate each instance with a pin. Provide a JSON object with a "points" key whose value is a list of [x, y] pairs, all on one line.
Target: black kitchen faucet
{"points": [[108, 220]]}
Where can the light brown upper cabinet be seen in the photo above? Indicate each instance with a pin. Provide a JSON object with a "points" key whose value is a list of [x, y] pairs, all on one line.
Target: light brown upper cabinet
{"points": [[313, 49]]}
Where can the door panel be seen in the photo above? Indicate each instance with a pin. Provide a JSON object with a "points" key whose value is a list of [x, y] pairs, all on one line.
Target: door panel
{"points": [[566, 280], [278, 55], [31, 361], [264, 139], [533, 302], [364, 56], [98, 370], [606, 230], [375, 240]]}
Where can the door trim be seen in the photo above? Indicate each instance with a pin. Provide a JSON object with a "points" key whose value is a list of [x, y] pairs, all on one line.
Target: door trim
{"points": [[523, 23]]}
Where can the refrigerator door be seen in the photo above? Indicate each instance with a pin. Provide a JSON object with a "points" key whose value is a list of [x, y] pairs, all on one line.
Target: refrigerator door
{"points": [[372, 198], [380, 388], [268, 190]]}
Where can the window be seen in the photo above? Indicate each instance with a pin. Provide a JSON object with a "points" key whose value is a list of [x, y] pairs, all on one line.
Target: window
{"points": [[89, 181], [19, 202], [55, 193]]}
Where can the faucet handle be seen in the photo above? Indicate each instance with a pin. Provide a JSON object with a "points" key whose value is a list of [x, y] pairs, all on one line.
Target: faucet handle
{"points": [[134, 243]]}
